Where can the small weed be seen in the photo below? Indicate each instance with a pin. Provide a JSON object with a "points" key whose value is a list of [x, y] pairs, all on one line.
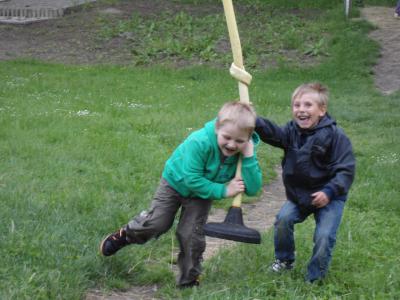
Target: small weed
{"points": [[317, 49]]}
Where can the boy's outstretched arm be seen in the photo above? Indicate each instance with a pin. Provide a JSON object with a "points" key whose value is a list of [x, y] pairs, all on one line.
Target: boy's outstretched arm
{"points": [[271, 133]]}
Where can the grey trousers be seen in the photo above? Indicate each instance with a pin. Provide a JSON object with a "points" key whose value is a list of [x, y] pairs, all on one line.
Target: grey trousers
{"points": [[159, 219]]}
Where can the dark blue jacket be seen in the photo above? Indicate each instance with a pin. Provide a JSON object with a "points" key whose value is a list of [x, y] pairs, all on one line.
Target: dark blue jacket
{"points": [[317, 159]]}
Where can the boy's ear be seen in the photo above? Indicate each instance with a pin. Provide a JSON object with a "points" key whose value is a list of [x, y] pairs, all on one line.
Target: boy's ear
{"points": [[217, 126], [323, 111]]}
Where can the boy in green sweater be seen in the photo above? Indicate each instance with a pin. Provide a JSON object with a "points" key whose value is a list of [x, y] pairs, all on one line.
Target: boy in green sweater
{"points": [[200, 170]]}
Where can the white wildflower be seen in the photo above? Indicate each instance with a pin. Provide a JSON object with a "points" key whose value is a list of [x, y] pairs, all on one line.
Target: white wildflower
{"points": [[84, 112]]}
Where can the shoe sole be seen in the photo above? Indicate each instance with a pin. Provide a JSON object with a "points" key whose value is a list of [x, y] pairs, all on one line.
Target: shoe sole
{"points": [[102, 245]]}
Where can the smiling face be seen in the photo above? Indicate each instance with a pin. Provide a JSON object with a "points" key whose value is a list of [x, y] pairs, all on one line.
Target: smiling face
{"points": [[231, 139], [307, 110]]}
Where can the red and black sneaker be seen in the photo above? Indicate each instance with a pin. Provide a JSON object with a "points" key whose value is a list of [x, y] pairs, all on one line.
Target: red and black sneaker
{"points": [[113, 242]]}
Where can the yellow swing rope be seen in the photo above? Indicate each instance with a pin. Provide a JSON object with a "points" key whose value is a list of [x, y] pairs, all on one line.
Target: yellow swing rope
{"points": [[237, 71]]}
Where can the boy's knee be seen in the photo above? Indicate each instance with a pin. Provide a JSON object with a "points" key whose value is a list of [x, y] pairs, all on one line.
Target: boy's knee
{"points": [[193, 232], [283, 219], [326, 236], [148, 226]]}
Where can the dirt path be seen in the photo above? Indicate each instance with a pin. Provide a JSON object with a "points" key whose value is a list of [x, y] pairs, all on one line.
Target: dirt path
{"points": [[387, 34]]}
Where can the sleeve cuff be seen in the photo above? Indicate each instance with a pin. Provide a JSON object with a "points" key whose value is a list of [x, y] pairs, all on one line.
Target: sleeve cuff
{"points": [[328, 192], [249, 161]]}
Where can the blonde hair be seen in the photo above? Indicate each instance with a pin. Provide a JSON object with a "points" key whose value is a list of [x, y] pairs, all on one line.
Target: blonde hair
{"points": [[238, 113], [313, 87]]}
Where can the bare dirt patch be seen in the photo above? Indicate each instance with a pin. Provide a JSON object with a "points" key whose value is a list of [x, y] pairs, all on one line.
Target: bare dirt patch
{"points": [[75, 38], [387, 34]]}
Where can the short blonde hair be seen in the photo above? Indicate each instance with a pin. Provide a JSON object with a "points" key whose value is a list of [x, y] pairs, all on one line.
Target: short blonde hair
{"points": [[238, 113], [313, 87]]}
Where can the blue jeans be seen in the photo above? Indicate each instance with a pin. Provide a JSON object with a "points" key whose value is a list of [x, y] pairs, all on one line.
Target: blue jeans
{"points": [[327, 220]]}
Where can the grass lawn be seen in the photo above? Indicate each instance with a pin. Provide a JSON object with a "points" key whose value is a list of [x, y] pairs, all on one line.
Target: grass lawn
{"points": [[82, 149]]}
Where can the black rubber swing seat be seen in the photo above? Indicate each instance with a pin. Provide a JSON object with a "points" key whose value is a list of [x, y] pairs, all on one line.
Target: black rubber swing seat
{"points": [[233, 228]]}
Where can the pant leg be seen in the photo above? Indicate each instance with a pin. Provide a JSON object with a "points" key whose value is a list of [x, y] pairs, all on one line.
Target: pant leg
{"points": [[327, 221], [160, 217], [191, 238], [288, 215]]}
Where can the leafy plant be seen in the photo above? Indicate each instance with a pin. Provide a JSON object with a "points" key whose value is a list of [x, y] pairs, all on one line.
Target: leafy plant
{"points": [[317, 49], [191, 37]]}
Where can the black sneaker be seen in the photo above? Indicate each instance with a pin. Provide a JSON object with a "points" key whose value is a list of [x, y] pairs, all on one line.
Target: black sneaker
{"points": [[194, 283], [113, 242], [281, 265]]}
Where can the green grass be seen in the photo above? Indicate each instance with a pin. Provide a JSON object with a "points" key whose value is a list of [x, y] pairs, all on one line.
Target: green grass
{"points": [[272, 34], [82, 149]]}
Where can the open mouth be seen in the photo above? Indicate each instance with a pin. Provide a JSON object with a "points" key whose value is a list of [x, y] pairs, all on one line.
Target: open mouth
{"points": [[229, 151], [304, 121], [303, 118]]}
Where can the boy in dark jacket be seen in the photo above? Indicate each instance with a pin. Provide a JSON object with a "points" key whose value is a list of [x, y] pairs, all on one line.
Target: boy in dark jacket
{"points": [[201, 169], [318, 170]]}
